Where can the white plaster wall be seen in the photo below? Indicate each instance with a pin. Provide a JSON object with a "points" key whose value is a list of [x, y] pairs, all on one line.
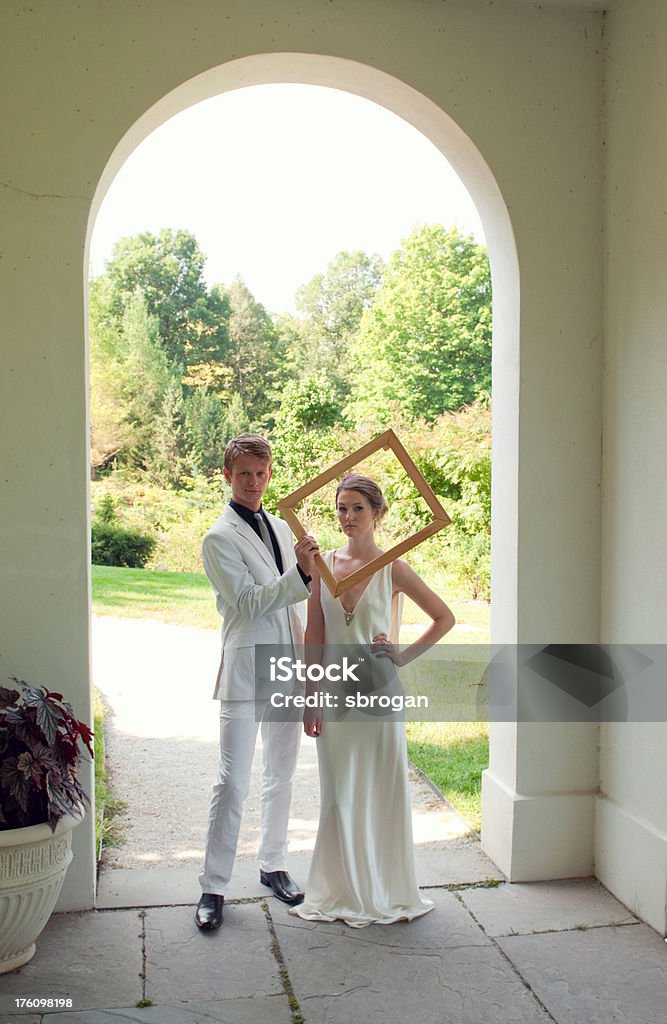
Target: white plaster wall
{"points": [[44, 551], [631, 847], [523, 83]]}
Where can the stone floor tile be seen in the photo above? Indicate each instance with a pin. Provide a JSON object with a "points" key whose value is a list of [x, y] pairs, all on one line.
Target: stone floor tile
{"points": [[454, 862], [146, 887], [244, 1010], [596, 976], [184, 963], [254, 1010], [525, 907], [94, 958], [387, 974], [173, 886], [18, 1018], [449, 924], [451, 862]]}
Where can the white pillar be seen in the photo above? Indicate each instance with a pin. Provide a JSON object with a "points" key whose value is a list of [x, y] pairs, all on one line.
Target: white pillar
{"points": [[44, 574]]}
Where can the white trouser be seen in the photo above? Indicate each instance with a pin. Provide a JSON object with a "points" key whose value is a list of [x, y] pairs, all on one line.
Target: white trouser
{"points": [[280, 747]]}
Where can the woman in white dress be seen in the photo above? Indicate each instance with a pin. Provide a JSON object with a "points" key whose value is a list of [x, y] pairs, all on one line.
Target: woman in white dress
{"points": [[363, 869]]}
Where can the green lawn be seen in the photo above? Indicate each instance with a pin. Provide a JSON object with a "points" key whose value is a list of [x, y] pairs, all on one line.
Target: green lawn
{"points": [[452, 754], [179, 598], [186, 599]]}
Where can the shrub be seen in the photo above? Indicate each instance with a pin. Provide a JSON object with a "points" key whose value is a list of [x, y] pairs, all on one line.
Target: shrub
{"points": [[178, 519], [106, 510], [115, 545], [468, 560]]}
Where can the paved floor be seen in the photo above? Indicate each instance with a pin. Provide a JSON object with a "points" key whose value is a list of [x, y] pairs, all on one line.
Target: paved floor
{"points": [[564, 952]]}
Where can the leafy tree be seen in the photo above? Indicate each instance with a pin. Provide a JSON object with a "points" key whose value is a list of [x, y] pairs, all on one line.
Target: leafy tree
{"points": [[168, 270], [302, 434], [333, 304], [110, 434], [425, 345], [255, 356], [205, 424], [215, 371], [454, 454], [145, 378], [129, 374], [169, 443], [295, 341], [235, 420]]}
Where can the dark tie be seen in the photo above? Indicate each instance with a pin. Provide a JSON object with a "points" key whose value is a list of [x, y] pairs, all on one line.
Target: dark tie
{"points": [[264, 533]]}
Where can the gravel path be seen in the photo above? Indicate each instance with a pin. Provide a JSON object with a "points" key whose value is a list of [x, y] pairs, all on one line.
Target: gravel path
{"points": [[162, 750]]}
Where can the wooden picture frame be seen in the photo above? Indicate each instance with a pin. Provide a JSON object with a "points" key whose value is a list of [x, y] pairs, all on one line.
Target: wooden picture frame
{"points": [[386, 440]]}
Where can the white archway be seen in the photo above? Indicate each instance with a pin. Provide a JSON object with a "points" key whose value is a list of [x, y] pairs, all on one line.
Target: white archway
{"points": [[434, 123], [466, 159]]}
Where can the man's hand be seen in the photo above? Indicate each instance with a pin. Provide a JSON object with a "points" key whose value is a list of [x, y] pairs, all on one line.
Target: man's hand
{"points": [[305, 551]]}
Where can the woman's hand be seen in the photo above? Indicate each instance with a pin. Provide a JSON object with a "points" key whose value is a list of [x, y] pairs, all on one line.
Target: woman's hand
{"points": [[312, 722], [382, 647]]}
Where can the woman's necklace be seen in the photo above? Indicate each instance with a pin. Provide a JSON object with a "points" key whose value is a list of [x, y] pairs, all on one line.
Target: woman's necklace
{"points": [[348, 615]]}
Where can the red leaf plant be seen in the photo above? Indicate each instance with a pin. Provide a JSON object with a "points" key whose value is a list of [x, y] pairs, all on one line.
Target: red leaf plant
{"points": [[41, 748]]}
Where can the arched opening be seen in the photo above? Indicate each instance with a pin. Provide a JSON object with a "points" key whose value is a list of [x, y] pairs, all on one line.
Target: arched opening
{"points": [[447, 136]]}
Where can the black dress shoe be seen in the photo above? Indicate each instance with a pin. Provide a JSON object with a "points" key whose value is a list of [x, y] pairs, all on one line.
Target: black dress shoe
{"points": [[283, 886], [208, 914]]}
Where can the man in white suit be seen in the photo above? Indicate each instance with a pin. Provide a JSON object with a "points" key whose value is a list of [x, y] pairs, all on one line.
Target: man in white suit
{"points": [[260, 582]]}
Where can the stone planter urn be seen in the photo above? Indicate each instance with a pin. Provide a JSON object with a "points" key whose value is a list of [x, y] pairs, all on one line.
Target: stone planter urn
{"points": [[33, 863]]}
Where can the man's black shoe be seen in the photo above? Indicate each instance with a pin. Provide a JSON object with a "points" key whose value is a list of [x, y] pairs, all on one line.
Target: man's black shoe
{"points": [[208, 914], [283, 886]]}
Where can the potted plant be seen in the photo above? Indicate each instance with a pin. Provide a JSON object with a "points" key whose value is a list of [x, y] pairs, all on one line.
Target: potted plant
{"points": [[41, 800]]}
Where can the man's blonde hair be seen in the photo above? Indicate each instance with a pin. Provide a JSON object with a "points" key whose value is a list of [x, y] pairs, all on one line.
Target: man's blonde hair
{"points": [[247, 444]]}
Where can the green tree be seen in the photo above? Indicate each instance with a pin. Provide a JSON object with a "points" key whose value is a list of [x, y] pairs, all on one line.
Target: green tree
{"points": [[168, 270], [110, 434], [235, 419], [129, 376], [299, 353], [255, 356], [333, 304], [145, 379], [205, 424], [169, 442], [454, 454], [302, 434], [424, 346]]}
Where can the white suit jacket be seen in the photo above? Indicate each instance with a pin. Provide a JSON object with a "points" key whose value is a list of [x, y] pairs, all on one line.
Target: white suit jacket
{"points": [[257, 604]]}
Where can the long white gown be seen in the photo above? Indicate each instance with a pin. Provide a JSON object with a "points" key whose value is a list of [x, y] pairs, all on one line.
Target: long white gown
{"points": [[363, 869]]}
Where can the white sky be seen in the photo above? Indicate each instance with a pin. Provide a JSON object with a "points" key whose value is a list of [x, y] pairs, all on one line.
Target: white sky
{"points": [[275, 180]]}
